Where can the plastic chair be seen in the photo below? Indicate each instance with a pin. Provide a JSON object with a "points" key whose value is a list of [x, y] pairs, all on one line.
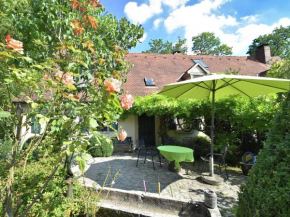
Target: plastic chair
{"points": [[147, 151], [218, 158]]}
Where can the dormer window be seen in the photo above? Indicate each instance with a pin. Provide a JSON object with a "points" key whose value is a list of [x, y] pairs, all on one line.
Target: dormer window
{"points": [[149, 82], [200, 62]]}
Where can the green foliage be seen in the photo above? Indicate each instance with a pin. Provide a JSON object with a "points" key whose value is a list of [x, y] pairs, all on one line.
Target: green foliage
{"points": [[280, 70], [54, 201], [207, 43], [70, 48], [279, 41], [160, 47], [5, 147], [239, 121], [266, 191], [101, 147], [201, 143]]}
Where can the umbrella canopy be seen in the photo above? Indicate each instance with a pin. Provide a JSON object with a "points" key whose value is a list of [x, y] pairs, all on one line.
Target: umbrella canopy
{"points": [[222, 86]]}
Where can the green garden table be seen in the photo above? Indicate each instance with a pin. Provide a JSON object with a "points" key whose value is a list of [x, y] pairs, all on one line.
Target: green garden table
{"points": [[177, 154]]}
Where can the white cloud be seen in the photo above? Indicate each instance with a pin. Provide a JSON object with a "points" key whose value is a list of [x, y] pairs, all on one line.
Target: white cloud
{"points": [[156, 23], [174, 3], [202, 17], [250, 18], [245, 35], [199, 18], [140, 14], [143, 37]]}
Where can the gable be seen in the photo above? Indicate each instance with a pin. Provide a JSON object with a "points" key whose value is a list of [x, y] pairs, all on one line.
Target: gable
{"points": [[197, 70]]}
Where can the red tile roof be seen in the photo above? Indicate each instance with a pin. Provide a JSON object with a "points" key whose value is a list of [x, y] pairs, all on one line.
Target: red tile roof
{"points": [[167, 68]]}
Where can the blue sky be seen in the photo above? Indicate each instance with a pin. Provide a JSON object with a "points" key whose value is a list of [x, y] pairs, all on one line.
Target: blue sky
{"points": [[235, 22]]}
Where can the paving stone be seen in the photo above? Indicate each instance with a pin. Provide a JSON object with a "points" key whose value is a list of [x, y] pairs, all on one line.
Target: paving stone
{"points": [[186, 184]]}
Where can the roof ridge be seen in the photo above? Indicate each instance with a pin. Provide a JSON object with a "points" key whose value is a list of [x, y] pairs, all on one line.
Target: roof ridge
{"points": [[189, 55]]}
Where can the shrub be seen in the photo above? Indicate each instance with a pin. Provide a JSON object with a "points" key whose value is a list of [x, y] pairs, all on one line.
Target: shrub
{"points": [[201, 143], [53, 201], [101, 147], [5, 147], [266, 192]]}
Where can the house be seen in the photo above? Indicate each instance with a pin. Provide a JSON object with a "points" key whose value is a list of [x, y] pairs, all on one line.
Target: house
{"points": [[152, 71]]}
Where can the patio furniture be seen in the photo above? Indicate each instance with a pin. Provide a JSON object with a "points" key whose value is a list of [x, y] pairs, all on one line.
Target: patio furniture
{"points": [[176, 154], [147, 151], [218, 158], [123, 146]]}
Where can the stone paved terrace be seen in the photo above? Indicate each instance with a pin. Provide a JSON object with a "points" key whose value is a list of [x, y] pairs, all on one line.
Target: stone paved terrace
{"points": [[186, 184]]}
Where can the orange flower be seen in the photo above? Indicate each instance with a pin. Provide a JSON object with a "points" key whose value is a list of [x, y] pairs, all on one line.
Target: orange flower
{"points": [[75, 4], [122, 135], [114, 85], [78, 27], [127, 101], [14, 44]]}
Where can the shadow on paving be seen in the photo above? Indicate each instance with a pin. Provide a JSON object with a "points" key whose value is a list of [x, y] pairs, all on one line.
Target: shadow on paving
{"points": [[130, 177]]}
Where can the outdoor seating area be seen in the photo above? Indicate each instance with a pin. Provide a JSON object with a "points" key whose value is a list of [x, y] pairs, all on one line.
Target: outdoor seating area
{"points": [[185, 184]]}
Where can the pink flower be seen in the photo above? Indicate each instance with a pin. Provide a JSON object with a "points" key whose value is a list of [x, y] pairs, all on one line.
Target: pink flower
{"points": [[122, 135], [127, 101], [14, 44], [46, 77], [59, 74], [68, 79], [114, 85]]}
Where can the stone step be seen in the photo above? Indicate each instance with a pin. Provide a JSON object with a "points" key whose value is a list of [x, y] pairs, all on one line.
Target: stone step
{"points": [[140, 204]]}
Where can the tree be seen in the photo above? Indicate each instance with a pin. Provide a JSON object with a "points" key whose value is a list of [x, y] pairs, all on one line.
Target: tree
{"points": [[160, 47], [67, 64], [266, 191], [279, 41], [280, 70], [207, 43]]}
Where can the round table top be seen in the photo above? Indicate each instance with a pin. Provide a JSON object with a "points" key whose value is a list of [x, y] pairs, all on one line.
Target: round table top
{"points": [[174, 149]]}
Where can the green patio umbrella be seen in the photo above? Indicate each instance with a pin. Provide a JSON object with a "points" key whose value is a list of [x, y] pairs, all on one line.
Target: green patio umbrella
{"points": [[214, 87]]}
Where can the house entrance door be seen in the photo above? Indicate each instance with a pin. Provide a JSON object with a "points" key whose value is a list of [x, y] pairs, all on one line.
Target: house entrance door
{"points": [[147, 129]]}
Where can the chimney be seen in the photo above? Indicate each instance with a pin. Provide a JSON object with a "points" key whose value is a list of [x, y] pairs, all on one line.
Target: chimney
{"points": [[263, 53]]}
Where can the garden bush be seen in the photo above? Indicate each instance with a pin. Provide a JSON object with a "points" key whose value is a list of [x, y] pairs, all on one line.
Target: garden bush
{"points": [[101, 147], [266, 191], [5, 147], [53, 202], [201, 143]]}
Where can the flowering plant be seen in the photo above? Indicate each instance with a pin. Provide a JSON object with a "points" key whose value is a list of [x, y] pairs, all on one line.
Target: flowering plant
{"points": [[68, 81]]}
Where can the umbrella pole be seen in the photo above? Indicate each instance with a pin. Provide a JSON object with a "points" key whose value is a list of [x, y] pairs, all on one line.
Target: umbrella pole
{"points": [[212, 132]]}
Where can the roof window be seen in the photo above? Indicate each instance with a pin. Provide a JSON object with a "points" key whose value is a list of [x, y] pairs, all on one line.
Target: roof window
{"points": [[200, 62], [149, 82]]}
